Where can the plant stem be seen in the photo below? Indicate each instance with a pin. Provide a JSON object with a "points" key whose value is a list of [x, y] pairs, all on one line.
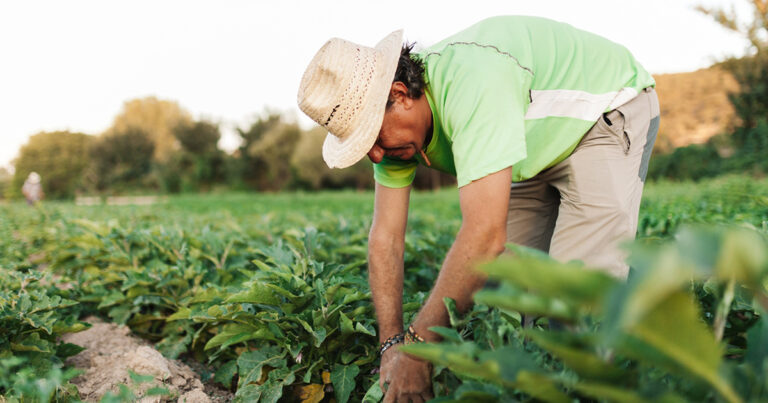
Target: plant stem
{"points": [[721, 316]]}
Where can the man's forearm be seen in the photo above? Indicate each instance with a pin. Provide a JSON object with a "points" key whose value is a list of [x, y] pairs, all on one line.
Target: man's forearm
{"points": [[385, 275], [457, 279]]}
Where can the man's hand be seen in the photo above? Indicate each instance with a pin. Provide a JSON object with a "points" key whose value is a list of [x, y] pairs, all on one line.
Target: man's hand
{"points": [[387, 364], [405, 379]]}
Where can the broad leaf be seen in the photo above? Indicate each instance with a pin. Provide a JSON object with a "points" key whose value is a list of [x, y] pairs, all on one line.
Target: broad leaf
{"points": [[312, 393], [509, 298], [583, 361], [226, 373], [673, 328], [549, 278], [343, 379], [258, 293]]}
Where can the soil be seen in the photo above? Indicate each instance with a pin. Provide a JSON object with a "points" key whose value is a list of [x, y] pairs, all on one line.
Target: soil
{"points": [[111, 350]]}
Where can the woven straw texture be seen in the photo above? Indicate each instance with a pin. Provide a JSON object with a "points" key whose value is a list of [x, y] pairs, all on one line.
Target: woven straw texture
{"points": [[345, 89]]}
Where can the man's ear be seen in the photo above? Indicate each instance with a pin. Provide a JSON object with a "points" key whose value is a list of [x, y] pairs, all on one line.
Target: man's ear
{"points": [[398, 93]]}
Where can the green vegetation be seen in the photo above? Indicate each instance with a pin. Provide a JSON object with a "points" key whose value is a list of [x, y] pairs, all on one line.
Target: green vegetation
{"points": [[745, 149], [271, 291]]}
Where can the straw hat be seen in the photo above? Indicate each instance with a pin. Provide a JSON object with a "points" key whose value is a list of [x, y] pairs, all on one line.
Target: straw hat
{"points": [[33, 177], [345, 89]]}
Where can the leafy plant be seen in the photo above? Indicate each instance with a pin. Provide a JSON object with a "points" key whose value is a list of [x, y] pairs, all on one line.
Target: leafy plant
{"points": [[231, 280], [640, 340], [32, 318]]}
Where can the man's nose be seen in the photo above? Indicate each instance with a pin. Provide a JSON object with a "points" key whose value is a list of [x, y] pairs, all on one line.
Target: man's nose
{"points": [[376, 154]]}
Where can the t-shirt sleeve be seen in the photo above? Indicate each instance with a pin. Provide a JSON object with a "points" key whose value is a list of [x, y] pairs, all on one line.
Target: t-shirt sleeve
{"points": [[485, 106], [394, 173]]}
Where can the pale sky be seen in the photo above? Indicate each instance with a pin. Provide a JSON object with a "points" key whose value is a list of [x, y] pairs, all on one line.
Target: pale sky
{"points": [[70, 65]]}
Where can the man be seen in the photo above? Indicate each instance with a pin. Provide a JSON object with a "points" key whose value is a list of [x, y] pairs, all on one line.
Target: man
{"points": [[564, 116], [32, 188]]}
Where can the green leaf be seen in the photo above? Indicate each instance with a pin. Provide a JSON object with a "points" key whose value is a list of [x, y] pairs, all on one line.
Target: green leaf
{"points": [[584, 361], [354, 297], [65, 350], [743, 257], [258, 293], [216, 311], [319, 335], [345, 324], [272, 390], [175, 344], [120, 314], [541, 387], [374, 394], [674, 329], [250, 364], [509, 298], [226, 373], [477, 392], [157, 391], [248, 394], [607, 392], [757, 346], [454, 317], [182, 313], [232, 335], [660, 275], [550, 278], [139, 378], [500, 366], [360, 328], [343, 379], [33, 342], [448, 334], [62, 328]]}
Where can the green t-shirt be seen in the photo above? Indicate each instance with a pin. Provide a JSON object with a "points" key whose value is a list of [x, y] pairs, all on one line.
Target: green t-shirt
{"points": [[516, 91]]}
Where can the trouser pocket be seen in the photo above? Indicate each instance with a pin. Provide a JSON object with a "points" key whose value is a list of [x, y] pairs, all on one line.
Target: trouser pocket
{"points": [[616, 123]]}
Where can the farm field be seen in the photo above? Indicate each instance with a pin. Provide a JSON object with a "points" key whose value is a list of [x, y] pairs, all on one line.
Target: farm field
{"points": [[266, 295]]}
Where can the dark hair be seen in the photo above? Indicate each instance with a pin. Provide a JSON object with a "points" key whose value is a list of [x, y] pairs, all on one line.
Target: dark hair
{"points": [[410, 71]]}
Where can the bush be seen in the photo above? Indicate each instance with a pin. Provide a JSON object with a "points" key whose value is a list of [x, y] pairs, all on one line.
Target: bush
{"points": [[59, 157], [121, 160], [199, 165], [752, 153], [695, 162]]}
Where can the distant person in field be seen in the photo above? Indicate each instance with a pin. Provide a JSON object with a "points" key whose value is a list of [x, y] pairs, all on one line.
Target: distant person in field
{"points": [[547, 128], [32, 188]]}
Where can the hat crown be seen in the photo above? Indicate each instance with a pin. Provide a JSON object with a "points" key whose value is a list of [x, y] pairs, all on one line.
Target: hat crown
{"points": [[336, 83], [345, 89]]}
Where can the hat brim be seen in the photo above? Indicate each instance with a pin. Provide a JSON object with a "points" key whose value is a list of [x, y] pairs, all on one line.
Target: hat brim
{"points": [[344, 152]]}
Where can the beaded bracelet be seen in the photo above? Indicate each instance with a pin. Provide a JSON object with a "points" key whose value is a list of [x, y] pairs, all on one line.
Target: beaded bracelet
{"points": [[411, 337], [391, 341]]}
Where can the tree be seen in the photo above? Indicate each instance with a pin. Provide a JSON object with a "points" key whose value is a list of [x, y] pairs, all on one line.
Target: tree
{"points": [[157, 118], [199, 163], [6, 177], [198, 138], [311, 172], [121, 159], [59, 157], [754, 31], [751, 72], [265, 153]]}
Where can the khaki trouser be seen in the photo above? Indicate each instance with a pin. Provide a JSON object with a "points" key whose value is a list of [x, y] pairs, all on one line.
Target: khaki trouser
{"points": [[586, 206]]}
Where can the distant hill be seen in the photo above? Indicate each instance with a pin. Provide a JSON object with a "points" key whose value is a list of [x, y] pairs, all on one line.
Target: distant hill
{"points": [[694, 106]]}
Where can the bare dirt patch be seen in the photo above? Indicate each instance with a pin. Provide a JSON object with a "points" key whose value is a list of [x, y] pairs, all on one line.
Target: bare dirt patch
{"points": [[111, 350]]}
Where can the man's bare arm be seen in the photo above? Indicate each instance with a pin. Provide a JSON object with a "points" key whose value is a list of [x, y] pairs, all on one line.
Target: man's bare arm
{"points": [[386, 245], [484, 205]]}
